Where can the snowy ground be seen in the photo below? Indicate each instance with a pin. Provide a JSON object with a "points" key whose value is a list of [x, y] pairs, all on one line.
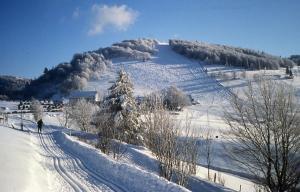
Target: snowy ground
{"points": [[54, 161], [21, 168]]}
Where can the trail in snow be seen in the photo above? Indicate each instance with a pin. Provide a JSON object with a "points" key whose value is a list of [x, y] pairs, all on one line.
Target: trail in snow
{"points": [[68, 172], [77, 174]]}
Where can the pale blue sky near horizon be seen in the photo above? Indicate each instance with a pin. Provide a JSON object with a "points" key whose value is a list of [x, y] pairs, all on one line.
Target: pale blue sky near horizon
{"points": [[35, 34]]}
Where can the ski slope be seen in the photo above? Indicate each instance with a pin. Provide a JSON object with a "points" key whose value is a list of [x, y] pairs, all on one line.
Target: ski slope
{"points": [[167, 68]]}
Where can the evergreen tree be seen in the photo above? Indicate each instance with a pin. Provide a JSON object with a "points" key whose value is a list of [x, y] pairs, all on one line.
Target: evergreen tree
{"points": [[122, 106], [46, 70]]}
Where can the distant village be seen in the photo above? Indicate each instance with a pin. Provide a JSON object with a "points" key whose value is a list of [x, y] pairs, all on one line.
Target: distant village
{"points": [[57, 104]]}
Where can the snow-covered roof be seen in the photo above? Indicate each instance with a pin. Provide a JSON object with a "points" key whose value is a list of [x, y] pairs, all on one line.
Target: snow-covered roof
{"points": [[82, 94]]}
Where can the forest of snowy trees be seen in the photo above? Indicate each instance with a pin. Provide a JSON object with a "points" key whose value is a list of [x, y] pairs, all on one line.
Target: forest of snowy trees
{"points": [[295, 58], [138, 49], [227, 55], [11, 87], [74, 75]]}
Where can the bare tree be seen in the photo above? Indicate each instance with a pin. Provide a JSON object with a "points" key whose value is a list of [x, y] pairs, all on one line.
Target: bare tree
{"points": [[161, 139], [82, 113], [244, 74], [65, 119], [187, 153], [265, 134], [109, 135], [208, 150], [221, 179], [234, 75], [175, 152], [36, 109]]}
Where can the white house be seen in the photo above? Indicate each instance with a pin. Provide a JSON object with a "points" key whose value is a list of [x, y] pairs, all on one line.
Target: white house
{"points": [[90, 96]]}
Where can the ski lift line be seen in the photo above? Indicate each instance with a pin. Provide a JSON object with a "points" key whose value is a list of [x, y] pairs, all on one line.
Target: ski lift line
{"points": [[228, 92]]}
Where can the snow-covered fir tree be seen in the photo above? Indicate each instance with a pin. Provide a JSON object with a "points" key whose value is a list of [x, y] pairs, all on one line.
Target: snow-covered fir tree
{"points": [[122, 106]]}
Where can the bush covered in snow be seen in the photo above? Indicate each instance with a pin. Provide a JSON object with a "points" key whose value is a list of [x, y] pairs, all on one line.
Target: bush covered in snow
{"points": [[174, 99], [143, 45], [137, 49], [227, 55]]}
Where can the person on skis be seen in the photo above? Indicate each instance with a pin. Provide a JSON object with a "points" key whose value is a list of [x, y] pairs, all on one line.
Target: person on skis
{"points": [[40, 125]]}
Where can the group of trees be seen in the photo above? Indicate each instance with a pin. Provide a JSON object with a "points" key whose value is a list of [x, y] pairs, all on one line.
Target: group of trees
{"points": [[79, 114], [230, 56], [265, 134], [141, 49], [295, 58], [68, 76], [175, 151], [11, 87], [121, 119]]}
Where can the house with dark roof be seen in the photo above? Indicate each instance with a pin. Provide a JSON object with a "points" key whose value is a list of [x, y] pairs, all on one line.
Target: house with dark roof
{"points": [[90, 96]]}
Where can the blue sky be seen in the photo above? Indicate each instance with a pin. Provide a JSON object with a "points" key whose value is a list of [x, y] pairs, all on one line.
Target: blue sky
{"points": [[37, 33]]}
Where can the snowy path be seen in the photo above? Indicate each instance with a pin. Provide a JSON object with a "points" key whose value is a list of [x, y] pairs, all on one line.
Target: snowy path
{"points": [[61, 170], [76, 173]]}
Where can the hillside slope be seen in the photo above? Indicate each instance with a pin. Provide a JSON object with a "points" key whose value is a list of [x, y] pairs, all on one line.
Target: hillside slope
{"points": [[166, 68]]}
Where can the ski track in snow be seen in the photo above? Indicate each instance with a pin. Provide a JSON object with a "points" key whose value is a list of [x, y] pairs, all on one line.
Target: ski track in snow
{"points": [[69, 166]]}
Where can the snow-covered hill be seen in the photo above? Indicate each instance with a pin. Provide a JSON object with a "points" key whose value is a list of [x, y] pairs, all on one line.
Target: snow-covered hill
{"points": [[166, 68]]}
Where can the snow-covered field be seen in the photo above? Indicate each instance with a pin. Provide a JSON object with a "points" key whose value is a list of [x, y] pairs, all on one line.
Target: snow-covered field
{"points": [[53, 161], [21, 162]]}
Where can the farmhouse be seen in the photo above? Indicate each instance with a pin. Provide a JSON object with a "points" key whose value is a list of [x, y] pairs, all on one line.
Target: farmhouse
{"points": [[90, 96]]}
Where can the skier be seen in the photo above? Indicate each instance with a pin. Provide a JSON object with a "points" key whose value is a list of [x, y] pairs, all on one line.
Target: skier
{"points": [[40, 125]]}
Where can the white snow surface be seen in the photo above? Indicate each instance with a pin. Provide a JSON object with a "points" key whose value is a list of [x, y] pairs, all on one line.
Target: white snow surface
{"points": [[53, 161], [20, 161]]}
